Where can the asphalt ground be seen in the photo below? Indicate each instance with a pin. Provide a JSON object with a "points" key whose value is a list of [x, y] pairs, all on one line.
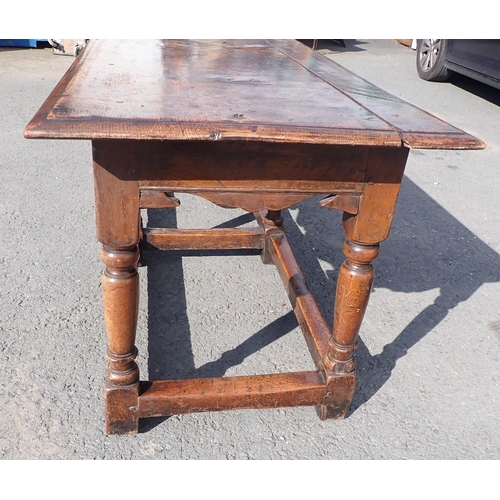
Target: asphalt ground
{"points": [[428, 362]]}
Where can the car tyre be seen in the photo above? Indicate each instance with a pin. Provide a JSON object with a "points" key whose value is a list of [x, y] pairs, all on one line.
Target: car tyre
{"points": [[430, 60]]}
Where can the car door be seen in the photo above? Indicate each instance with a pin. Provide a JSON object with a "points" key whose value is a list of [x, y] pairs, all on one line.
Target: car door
{"points": [[480, 56]]}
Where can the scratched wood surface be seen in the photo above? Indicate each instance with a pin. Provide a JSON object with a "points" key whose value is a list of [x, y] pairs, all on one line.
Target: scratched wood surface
{"points": [[265, 90], [253, 124]]}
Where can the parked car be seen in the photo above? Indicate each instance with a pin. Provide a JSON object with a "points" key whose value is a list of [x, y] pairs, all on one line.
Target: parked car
{"points": [[477, 59]]}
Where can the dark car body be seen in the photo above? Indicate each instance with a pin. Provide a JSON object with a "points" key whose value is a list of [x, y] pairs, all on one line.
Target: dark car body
{"points": [[477, 59]]}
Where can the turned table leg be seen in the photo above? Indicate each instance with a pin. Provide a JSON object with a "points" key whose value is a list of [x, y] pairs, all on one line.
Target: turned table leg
{"points": [[353, 291], [120, 290], [366, 223], [118, 229]]}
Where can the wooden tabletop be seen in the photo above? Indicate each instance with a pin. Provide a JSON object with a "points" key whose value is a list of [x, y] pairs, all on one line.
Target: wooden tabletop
{"points": [[260, 90]]}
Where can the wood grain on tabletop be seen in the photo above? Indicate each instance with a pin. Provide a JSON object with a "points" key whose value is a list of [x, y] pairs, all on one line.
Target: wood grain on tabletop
{"points": [[266, 90]]}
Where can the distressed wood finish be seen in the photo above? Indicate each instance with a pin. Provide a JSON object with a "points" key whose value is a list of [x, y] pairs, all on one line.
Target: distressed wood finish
{"points": [[157, 199], [309, 316], [170, 397], [202, 239], [254, 124], [264, 90]]}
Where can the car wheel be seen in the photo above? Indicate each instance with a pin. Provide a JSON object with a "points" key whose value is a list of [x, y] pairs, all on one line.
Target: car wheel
{"points": [[430, 60]]}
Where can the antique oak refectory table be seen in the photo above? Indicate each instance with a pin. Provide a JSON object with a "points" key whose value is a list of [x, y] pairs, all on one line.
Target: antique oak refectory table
{"points": [[259, 125]]}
